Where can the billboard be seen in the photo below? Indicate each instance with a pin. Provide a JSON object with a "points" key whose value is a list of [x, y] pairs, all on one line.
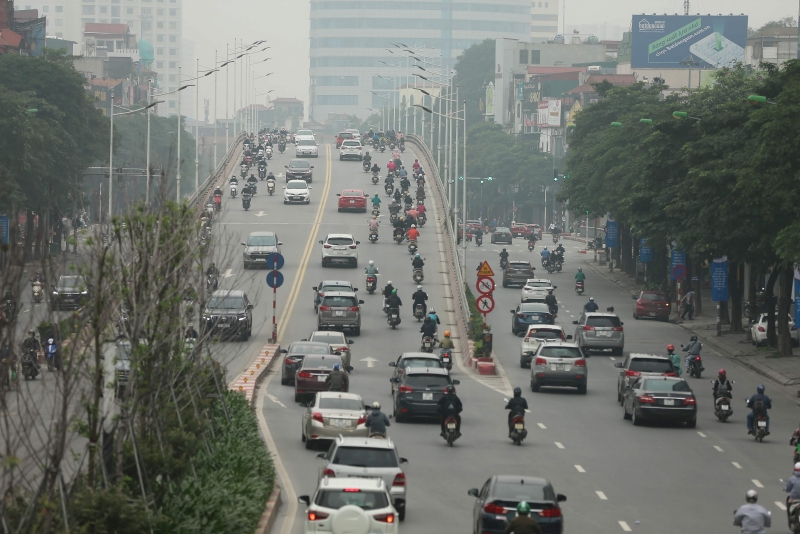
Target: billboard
{"points": [[541, 116], [664, 41]]}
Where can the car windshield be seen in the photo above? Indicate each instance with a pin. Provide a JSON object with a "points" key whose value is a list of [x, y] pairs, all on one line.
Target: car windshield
{"points": [[667, 386], [346, 135], [545, 333], [365, 457], [70, 281], [651, 365], [305, 132], [603, 321], [307, 142], [335, 403], [226, 303], [421, 362], [309, 348], [336, 287], [124, 350], [261, 241], [297, 184], [340, 241], [537, 284], [427, 381], [501, 230], [653, 296], [533, 307], [321, 362], [299, 165], [504, 491], [561, 352], [329, 338], [519, 266], [366, 500], [340, 302], [353, 194]]}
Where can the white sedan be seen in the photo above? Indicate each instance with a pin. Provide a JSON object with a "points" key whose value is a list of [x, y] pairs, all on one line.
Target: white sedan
{"points": [[306, 147], [535, 290], [297, 191], [758, 331]]}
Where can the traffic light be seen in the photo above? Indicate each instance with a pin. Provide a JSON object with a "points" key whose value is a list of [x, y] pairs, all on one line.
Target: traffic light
{"points": [[489, 178], [555, 175], [566, 176], [461, 178]]}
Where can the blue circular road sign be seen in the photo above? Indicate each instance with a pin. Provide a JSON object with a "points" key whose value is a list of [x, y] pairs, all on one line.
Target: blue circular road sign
{"points": [[271, 259], [274, 281]]}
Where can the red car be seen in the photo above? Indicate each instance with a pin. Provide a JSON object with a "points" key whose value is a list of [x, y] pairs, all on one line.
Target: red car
{"points": [[654, 304], [352, 199], [520, 230], [342, 137], [310, 376]]}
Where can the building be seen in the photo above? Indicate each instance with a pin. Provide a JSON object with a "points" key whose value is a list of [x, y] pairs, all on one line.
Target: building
{"points": [[349, 42], [544, 20], [773, 45]]}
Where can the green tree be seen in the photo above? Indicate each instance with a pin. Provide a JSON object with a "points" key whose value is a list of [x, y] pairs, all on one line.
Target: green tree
{"points": [[475, 69]]}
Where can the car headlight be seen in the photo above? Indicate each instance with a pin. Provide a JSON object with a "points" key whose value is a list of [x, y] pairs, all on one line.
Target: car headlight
{"points": [[55, 292], [242, 317], [84, 292]]}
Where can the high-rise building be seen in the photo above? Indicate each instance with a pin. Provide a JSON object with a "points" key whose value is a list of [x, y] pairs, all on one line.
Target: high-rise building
{"points": [[544, 20], [350, 38]]}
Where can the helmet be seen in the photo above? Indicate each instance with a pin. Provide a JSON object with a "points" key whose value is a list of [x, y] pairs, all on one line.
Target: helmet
{"points": [[374, 217], [367, 152], [431, 310], [550, 291], [31, 332], [504, 249], [417, 254], [212, 264], [693, 338], [414, 226], [447, 333], [419, 288], [427, 319], [336, 367], [580, 270], [545, 248], [670, 347], [591, 299], [394, 292], [376, 405], [517, 392], [722, 373], [751, 496], [389, 282], [760, 388], [371, 263], [523, 508], [451, 389]]}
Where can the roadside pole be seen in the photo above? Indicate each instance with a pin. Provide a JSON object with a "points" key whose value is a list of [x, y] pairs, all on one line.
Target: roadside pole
{"points": [[274, 280]]}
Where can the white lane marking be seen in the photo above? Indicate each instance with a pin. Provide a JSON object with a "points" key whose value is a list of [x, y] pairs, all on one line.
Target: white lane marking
{"points": [[227, 273], [260, 214], [718, 448], [612, 358], [275, 400], [601, 495], [736, 465], [757, 484], [527, 410], [580, 469], [572, 316], [559, 445], [370, 361], [780, 505], [701, 434], [542, 426], [625, 526], [26, 311]]}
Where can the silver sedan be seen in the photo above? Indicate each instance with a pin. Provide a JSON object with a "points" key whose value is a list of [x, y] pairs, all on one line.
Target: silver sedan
{"points": [[331, 413]]}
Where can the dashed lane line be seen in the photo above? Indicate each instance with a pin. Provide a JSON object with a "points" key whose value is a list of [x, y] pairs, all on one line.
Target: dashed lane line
{"points": [[736, 465], [580, 469], [625, 526], [542, 426], [718, 448], [701, 434], [601, 495], [757, 484], [559, 445], [780, 505]]}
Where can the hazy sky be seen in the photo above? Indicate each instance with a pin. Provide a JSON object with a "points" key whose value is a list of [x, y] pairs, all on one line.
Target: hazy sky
{"points": [[211, 25]]}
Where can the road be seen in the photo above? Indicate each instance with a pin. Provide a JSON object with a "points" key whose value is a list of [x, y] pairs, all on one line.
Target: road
{"points": [[617, 477]]}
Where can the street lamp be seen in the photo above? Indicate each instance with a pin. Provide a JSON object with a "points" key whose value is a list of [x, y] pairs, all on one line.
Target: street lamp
{"points": [[690, 62], [758, 99], [683, 115]]}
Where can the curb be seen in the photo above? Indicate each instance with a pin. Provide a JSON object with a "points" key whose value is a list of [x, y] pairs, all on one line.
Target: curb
{"points": [[268, 518], [248, 380], [769, 373]]}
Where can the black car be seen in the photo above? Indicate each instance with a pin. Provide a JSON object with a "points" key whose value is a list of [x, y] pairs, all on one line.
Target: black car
{"points": [[501, 234], [295, 354], [418, 392], [496, 503], [228, 313], [71, 291], [299, 169], [528, 313], [664, 398]]}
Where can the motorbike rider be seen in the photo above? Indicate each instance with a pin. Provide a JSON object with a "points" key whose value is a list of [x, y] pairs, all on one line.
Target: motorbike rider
{"points": [[375, 169], [234, 180], [416, 262], [693, 348], [517, 405], [591, 306], [532, 239], [722, 386], [336, 379], [792, 487], [675, 359], [191, 333], [31, 343], [405, 184], [217, 191], [409, 220], [559, 252], [428, 328], [390, 167], [450, 405], [387, 292], [504, 256], [38, 277], [398, 196], [446, 342], [759, 404], [421, 209], [10, 303], [252, 181], [212, 270], [402, 173], [394, 208], [580, 276], [433, 316], [394, 302], [419, 298], [413, 234], [371, 269], [551, 302], [416, 166], [376, 201], [523, 523], [377, 420], [368, 160], [545, 256], [752, 517], [373, 224]]}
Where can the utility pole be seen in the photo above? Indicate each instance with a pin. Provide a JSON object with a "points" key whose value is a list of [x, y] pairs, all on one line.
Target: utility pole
{"points": [[685, 7]]}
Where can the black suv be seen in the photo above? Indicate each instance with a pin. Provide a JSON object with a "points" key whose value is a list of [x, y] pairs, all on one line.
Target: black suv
{"points": [[419, 390], [228, 313], [71, 291], [299, 169], [517, 272]]}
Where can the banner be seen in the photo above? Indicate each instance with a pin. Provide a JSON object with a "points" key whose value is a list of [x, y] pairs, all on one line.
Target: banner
{"points": [[4, 229], [719, 279], [541, 117], [554, 113], [490, 99], [612, 234], [677, 257], [645, 251]]}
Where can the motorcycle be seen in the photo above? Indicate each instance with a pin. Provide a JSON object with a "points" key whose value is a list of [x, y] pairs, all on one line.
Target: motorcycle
{"points": [[394, 318], [722, 407], [418, 276], [450, 435], [760, 427], [249, 160], [373, 236], [391, 146], [383, 147], [794, 515], [389, 188], [399, 237], [412, 247], [517, 432], [366, 165], [253, 188], [246, 201], [503, 264], [53, 355], [243, 170], [402, 147], [262, 173], [446, 356], [422, 219], [392, 216], [579, 287], [376, 211], [478, 239], [217, 202], [531, 245], [282, 148], [271, 187], [233, 190], [268, 152], [419, 312], [30, 370], [375, 178], [38, 294], [427, 344], [695, 367], [556, 238], [372, 283]]}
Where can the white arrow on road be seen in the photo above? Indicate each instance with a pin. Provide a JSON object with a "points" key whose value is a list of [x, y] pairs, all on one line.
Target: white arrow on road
{"points": [[260, 214], [227, 273], [370, 361]]}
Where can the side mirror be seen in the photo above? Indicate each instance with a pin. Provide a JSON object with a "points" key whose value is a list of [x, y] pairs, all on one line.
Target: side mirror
{"points": [[355, 289], [473, 493], [521, 334], [321, 242], [314, 288], [634, 297], [312, 166], [321, 456], [569, 337], [621, 323], [337, 353], [358, 242], [280, 243], [394, 380], [392, 364], [554, 287], [284, 187], [349, 368], [456, 382], [249, 306], [574, 322], [305, 499], [285, 166], [350, 341], [338, 194], [361, 302], [561, 498], [610, 309], [403, 461], [303, 340], [284, 351], [618, 365], [243, 243], [303, 404]]}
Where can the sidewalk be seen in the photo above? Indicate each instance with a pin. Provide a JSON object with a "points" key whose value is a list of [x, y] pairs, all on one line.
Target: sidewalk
{"points": [[784, 371]]}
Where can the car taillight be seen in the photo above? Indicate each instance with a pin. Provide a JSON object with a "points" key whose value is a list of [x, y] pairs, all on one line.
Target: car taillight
{"points": [[527, 339], [324, 308], [580, 363], [352, 246], [288, 361], [317, 516], [384, 518], [632, 373], [343, 349], [304, 374], [669, 374], [617, 329], [588, 328], [493, 508], [761, 329], [526, 288], [352, 490], [326, 246], [646, 399], [405, 389], [540, 361], [362, 420], [316, 416], [354, 309], [550, 512], [690, 401], [399, 479], [522, 315], [328, 473]]}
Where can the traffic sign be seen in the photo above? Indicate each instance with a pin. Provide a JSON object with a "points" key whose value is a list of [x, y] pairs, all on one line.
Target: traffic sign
{"points": [[485, 270], [274, 279], [485, 285], [271, 260], [679, 272], [514, 209], [485, 304]]}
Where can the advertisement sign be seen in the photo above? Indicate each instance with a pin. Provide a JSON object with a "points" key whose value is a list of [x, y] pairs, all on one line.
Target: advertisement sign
{"points": [[797, 296], [645, 251], [531, 95], [677, 258], [520, 92], [490, 99], [664, 41], [719, 279], [612, 234], [554, 113], [3, 229], [541, 118]]}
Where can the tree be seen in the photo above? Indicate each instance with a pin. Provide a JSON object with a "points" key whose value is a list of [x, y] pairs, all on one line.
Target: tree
{"points": [[475, 69]]}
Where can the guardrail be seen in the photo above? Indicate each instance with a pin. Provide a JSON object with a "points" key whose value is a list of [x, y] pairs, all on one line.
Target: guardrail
{"points": [[202, 192]]}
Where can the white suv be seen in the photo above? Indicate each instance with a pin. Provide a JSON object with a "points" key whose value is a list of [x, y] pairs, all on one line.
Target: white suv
{"points": [[352, 504], [339, 248], [351, 149], [535, 290], [306, 147]]}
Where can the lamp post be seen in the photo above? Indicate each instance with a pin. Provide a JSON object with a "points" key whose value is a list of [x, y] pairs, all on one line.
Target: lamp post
{"points": [[690, 62]]}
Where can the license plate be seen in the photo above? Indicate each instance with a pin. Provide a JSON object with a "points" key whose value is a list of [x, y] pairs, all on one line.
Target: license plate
{"points": [[559, 367], [394, 316], [762, 424], [220, 325], [724, 407], [451, 426], [341, 423], [321, 378], [352, 202], [427, 396], [519, 426], [669, 402], [652, 314], [427, 344], [446, 359], [604, 333], [339, 314]]}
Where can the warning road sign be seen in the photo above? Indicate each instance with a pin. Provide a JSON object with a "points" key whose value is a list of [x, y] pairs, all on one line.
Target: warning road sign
{"points": [[485, 270], [485, 304], [485, 285]]}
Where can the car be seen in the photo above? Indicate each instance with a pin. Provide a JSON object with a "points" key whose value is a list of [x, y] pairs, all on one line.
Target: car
{"points": [[355, 132], [474, 226], [258, 247], [330, 285], [71, 291], [501, 234], [338, 343], [340, 310], [653, 304], [299, 169], [363, 458], [352, 149], [559, 364], [535, 290], [418, 390], [528, 313], [306, 147], [228, 313], [665, 398], [341, 137], [517, 273], [332, 413], [600, 331], [535, 336], [636, 365], [520, 230], [296, 353], [310, 376], [502, 493], [414, 360], [352, 199], [339, 249], [364, 502], [758, 331], [304, 132], [297, 191]]}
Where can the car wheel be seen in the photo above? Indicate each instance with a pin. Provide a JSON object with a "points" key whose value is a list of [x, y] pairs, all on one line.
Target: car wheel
{"points": [[522, 364], [297, 397], [635, 316], [637, 421], [284, 381], [691, 423], [303, 435], [582, 389], [357, 331], [505, 284], [246, 265], [340, 158], [323, 264], [339, 210], [397, 417], [535, 386], [401, 513], [625, 413]]}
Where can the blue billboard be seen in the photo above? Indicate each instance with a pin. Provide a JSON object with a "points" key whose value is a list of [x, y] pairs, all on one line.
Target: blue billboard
{"points": [[687, 41]]}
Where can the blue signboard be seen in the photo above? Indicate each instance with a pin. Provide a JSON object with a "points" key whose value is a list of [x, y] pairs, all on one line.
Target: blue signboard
{"points": [[4, 229], [272, 258], [719, 279], [797, 296], [678, 257], [275, 281], [612, 234], [687, 41], [645, 251]]}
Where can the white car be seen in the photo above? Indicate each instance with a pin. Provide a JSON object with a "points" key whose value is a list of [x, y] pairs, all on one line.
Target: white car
{"points": [[355, 132], [304, 133], [758, 331], [535, 336], [297, 191], [535, 290], [306, 147], [339, 248], [350, 505], [331, 413], [351, 149]]}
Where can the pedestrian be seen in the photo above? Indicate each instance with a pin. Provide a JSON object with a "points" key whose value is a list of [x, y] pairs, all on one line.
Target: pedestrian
{"points": [[688, 305]]}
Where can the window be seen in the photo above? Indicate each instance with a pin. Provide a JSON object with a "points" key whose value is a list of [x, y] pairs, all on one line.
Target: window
{"points": [[45, 9], [87, 10], [160, 25], [160, 12], [116, 11], [173, 38], [523, 57], [59, 22], [336, 81], [173, 25], [332, 100], [86, 21], [159, 64], [540, 4], [172, 104], [129, 11], [173, 64], [160, 51], [173, 77], [173, 12], [160, 38], [146, 25], [173, 51], [103, 10], [59, 35], [59, 9], [546, 4], [147, 11], [536, 57]]}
